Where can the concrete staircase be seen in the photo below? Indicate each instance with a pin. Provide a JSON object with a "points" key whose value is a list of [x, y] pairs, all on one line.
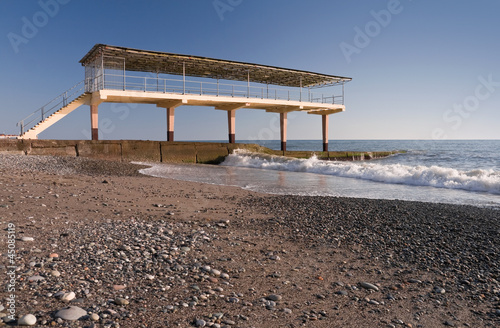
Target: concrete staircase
{"points": [[55, 117]]}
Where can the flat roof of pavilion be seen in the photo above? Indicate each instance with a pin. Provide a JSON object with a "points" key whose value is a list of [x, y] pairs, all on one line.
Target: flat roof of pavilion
{"points": [[177, 64]]}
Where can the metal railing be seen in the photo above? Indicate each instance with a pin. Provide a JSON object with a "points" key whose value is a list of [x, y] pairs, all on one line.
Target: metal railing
{"points": [[182, 86], [52, 106]]}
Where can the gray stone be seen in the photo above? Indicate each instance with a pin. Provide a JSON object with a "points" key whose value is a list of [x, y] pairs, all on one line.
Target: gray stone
{"points": [[200, 323], [439, 290], [367, 285], [71, 313], [274, 297]]}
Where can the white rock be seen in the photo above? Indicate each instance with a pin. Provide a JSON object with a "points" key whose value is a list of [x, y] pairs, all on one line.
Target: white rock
{"points": [[27, 238], [66, 297], [27, 320]]}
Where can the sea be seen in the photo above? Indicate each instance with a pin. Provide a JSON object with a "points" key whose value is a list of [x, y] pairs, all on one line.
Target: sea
{"points": [[438, 171]]}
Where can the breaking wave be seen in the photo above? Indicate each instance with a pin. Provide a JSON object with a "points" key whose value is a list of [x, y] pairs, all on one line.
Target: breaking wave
{"points": [[479, 180]]}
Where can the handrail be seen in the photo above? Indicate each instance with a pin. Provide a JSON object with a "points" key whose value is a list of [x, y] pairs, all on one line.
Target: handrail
{"points": [[180, 86], [55, 104]]}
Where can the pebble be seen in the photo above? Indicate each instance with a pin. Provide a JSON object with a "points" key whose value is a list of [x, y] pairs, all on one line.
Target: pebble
{"points": [[27, 320], [27, 238], [71, 313], [200, 323], [94, 317], [55, 273], [274, 297], [119, 287], [367, 285], [36, 278], [439, 290], [67, 297], [121, 301]]}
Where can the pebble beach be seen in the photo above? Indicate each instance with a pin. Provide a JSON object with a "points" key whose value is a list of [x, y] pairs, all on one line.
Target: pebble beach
{"points": [[99, 245]]}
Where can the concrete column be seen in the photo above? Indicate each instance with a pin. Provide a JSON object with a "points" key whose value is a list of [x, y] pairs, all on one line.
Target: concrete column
{"points": [[283, 130], [170, 123], [231, 119], [94, 121], [325, 132]]}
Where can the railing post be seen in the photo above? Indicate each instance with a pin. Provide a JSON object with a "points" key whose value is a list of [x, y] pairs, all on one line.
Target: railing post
{"points": [[145, 84], [22, 127], [183, 78], [342, 92], [43, 112], [201, 88], [232, 92], [217, 87]]}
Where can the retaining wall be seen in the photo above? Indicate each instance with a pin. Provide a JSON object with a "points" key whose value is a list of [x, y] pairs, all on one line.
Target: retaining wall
{"points": [[159, 151]]}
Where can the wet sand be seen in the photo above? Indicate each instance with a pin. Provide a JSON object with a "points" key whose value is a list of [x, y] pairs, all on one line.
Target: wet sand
{"points": [[138, 251]]}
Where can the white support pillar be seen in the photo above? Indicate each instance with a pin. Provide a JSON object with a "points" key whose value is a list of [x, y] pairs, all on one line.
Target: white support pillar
{"points": [[283, 124], [324, 119], [231, 120], [94, 121], [170, 123]]}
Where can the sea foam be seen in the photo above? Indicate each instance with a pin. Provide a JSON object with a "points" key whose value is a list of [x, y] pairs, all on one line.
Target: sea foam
{"points": [[434, 176]]}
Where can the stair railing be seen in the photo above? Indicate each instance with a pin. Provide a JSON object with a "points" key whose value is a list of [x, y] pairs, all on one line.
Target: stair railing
{"points": [[52, 106]]}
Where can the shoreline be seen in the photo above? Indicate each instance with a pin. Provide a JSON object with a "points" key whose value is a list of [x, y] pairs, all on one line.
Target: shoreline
{"points": [[275, 261]]}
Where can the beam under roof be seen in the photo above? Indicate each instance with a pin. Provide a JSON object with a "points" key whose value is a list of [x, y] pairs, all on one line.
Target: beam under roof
{"points": [[169, 63]]}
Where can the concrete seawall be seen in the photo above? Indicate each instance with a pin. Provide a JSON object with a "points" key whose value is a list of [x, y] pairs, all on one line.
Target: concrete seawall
{"points": [[160, 151]]}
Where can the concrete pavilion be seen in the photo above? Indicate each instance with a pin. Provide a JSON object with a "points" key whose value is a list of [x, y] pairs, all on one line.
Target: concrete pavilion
{"points": [[126, 75]]}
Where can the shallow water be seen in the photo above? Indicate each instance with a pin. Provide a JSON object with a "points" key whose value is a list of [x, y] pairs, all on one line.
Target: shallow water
{"points": [[457, 172]]}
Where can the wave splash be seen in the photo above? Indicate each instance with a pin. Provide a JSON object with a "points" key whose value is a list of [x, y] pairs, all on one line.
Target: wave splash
{"points": [[434, 176]]}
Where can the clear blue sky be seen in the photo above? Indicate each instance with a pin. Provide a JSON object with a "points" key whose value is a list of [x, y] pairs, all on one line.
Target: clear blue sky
{"points": [[421, 69]]}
